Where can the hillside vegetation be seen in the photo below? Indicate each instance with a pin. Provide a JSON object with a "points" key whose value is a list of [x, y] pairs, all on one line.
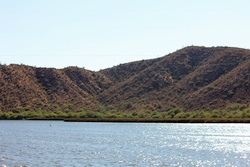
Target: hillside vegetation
{"points": [[191, 79], [194, 78]]}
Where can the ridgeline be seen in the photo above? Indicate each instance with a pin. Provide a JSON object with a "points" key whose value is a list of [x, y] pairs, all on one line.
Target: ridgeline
{"points": [[191, 79]]}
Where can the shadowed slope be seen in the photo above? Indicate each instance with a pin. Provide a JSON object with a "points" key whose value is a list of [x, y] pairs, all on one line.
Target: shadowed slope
{"points": [[179, 76], [24, 86], [193, 78]]}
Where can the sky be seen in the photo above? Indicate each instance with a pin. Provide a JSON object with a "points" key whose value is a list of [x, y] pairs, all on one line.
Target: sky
{"points": [[98, 34]]}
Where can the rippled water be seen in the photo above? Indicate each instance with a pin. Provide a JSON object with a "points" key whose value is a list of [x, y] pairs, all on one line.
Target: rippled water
{"points": [[57, 143]]}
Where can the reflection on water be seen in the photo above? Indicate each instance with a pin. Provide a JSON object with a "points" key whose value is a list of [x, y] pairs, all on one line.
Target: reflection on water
{"points": [[56, 143]]}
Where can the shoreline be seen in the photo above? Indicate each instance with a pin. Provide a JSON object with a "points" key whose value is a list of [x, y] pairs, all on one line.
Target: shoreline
{"points": [[161, 120], [143, 120]]}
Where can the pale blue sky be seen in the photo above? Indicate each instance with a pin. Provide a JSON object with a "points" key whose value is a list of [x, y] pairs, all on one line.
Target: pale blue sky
{"points": [[97, 34]]}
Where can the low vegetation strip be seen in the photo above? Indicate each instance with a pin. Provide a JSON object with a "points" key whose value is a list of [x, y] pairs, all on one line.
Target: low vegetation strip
{"points": [[232, 113], [162, 120]]}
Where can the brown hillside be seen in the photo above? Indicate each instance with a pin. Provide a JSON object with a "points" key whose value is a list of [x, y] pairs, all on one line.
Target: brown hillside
{"points": [[174, 78], [193, 78], [24, 86], [234, 87], [19, 88]]}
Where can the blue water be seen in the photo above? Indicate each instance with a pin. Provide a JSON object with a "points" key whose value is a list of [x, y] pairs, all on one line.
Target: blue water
{"points": [[57, 143]]}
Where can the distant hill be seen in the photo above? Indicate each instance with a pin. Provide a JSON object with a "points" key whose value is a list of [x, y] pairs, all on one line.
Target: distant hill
{"points": [[24, 86], [193, 78]]}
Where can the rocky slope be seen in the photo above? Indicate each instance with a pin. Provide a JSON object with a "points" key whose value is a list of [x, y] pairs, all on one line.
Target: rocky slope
{"points": [[193, 78]]}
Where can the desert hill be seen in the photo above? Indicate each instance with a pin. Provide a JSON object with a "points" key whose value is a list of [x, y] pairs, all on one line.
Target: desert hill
{"points": [[29, 87], [193, 78]]}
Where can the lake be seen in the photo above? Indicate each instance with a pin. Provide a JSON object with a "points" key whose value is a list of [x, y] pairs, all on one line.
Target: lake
{"points": [[58, 143]]}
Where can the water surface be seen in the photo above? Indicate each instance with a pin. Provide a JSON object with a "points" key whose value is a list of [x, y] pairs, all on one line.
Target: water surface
{"points": [[57, 143]]}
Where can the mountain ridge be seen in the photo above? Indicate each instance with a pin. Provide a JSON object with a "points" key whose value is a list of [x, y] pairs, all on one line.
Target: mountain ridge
{"points": [[192, 78]]}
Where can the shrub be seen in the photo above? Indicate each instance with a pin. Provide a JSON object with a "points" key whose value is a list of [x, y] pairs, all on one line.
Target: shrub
{"points": [[91, 114], [235, 106]]}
